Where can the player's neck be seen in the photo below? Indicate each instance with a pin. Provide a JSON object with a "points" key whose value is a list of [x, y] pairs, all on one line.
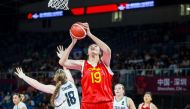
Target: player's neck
{"points": [[17, 103], [146, 103], [119, 98], [93, 59]]}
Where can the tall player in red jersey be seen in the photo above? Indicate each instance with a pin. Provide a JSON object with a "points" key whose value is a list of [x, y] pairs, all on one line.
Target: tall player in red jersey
{"points": [[96, 73]]}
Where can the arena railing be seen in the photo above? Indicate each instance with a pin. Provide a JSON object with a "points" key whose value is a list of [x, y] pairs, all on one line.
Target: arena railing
{"points": [[135, 72], [124, 76]]}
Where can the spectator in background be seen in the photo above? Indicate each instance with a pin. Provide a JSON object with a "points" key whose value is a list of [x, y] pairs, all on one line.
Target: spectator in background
{"points": [[123, 73], [185, 62], [1, 99], [187, 106], [31, 104], [7, 100]]}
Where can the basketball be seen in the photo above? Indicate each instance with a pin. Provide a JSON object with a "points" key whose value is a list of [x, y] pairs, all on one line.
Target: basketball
{"points": [[77, 31]]}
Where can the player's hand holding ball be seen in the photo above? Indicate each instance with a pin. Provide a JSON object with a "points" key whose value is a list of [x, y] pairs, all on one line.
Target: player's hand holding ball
{"points": [[78, 31], [87, 28]]}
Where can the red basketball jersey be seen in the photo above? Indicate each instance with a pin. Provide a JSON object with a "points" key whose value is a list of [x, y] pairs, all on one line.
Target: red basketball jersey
{"points": [[96, 83], [142, 107]]}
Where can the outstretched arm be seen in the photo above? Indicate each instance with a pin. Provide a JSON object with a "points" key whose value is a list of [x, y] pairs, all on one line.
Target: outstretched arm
{"points": [[68, 63], [60, 52], [34, 83], [106, 57]]}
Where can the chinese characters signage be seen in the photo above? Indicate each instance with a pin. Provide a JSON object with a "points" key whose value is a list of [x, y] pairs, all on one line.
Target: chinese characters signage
{"points": [[162, 84]]}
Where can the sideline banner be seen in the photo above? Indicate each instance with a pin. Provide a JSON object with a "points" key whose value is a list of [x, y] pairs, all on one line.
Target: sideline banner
{"points": [[164, 85]]}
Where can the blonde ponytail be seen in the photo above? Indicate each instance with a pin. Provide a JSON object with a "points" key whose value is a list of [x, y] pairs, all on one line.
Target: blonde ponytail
{"points": [[22, 97], [58, 85], [60, 78]]}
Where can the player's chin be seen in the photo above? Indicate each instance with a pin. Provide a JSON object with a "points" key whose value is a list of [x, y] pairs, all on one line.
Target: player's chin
{"points": [[117, 93], [14, 102], [147, 101]]}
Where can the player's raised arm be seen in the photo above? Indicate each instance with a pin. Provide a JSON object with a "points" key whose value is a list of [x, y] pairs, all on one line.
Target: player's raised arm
{"points": [[60, 52], [63, 58], [34, 83], [69, 63], [106, 56]]}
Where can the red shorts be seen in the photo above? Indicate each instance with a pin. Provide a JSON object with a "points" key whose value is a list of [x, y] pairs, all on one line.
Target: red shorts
{"points": [[105, 105]]}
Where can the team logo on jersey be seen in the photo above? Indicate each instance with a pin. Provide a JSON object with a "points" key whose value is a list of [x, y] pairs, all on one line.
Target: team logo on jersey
{"points": [[122, 103], [94, 69]]}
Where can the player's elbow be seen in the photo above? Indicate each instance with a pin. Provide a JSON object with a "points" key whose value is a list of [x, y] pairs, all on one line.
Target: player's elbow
{"points": [[109, 50], [61, 62]]}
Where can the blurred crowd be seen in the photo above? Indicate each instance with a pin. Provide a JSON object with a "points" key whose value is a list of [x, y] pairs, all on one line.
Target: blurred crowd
{"points": [[133, 47]]}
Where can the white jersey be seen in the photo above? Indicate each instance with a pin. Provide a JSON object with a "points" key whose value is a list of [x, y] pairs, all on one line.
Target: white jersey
{"points": [[122, 104], [68, 97], [19, 106]]}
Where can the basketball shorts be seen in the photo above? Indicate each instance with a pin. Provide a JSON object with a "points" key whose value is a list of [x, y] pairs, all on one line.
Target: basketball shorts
{"points": [[105, 105]]}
